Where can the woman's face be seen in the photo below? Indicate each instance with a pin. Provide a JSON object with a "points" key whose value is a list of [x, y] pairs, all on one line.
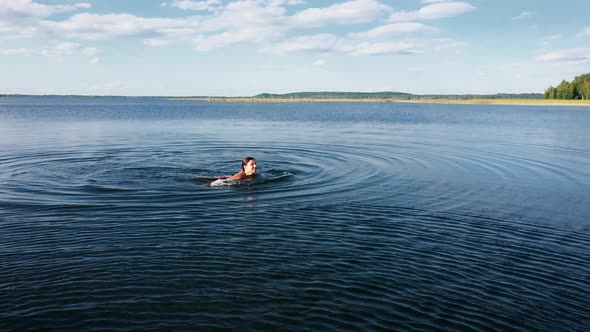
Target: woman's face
{"points": [[250, 167]]}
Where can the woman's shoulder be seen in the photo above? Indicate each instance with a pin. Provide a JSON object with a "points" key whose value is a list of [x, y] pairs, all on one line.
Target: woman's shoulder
{"points": [[236, 176]]}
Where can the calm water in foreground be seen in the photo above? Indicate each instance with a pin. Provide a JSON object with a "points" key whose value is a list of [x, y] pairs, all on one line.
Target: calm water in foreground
{"points": [[364, 216]]}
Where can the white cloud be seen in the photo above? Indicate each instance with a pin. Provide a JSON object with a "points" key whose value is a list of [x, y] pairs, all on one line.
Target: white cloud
{"points": [[93, 53], [394, 29], [207, 43], [18, 10], [66, 48], [247, 14], [384, 48], [319, 63], [570, 56], [94, 26], [329, 43], [584, 33], [156, 42], [167, 36], [193, 5], [355, 11], [434, 11], [318, 43], [248, 21], [254, 20], [523, 16], [61, 50], [17, 51], [262, 22], [446, 44], [549, 39]]}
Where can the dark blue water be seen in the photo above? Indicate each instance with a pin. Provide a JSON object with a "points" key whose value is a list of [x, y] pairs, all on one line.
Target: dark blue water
{"points": [[363, 217]]}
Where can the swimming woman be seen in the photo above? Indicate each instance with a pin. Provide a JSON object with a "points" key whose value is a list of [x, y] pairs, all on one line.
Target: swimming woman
{"points": [[248, 170]]}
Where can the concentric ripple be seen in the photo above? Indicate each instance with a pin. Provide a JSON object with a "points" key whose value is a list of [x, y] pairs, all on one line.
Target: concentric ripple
{"points": [[362, 217], [323, 267]]}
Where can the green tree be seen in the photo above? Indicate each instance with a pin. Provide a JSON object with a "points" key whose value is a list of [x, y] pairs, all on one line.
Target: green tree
{"points": [[550, 92], [565, 90], [584, 90], [579, 88], [579, 84]]}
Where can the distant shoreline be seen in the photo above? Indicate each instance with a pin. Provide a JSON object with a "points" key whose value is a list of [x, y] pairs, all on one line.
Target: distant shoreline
{"points": [[531, 102], [459, 100]]}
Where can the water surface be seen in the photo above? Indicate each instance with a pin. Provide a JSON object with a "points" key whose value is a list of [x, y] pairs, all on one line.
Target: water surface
{"points": [[363, 216]]}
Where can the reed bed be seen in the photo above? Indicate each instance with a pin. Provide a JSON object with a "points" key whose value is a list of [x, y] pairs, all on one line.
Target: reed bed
{"points": [[540, 102]]}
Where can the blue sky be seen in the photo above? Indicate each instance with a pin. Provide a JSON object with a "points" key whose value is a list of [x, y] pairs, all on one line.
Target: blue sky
{"points": [[242, 48]]}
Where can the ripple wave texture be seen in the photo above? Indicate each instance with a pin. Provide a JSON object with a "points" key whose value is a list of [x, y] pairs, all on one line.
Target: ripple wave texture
{"points": [[363, 217]]}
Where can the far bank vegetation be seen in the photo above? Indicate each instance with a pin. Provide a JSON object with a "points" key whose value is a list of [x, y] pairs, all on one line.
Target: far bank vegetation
{"points": [[578, 89]]}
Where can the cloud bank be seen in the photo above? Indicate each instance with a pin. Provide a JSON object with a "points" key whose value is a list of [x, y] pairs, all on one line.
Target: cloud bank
{"points": [[570, 56], [271, 24]]}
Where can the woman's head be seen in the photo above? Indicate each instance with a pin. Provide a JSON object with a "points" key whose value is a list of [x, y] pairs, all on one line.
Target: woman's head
{"points": [[249, 166]]}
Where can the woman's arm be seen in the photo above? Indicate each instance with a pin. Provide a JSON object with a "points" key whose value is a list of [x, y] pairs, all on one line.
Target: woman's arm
{"points": [[237, 176]]}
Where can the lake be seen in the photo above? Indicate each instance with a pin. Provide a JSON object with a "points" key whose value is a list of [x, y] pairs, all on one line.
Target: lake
{"points": [[364, 216]]}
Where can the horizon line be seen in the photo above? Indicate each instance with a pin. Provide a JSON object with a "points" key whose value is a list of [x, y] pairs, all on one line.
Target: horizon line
{"points": [[266, 93]]}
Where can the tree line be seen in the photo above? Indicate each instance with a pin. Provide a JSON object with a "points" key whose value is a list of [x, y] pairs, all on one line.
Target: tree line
{"points": [[579, 88], [394, 95]]}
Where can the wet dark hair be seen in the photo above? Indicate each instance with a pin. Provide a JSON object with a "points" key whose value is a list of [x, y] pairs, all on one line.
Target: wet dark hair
{"points": [[246, 161]]}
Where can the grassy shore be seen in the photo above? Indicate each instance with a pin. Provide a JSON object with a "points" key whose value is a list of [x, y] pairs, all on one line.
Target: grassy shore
{"points": [[540, 102]]}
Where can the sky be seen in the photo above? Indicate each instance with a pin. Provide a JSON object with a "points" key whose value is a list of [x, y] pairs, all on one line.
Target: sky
{"points": [[247, 47]]}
